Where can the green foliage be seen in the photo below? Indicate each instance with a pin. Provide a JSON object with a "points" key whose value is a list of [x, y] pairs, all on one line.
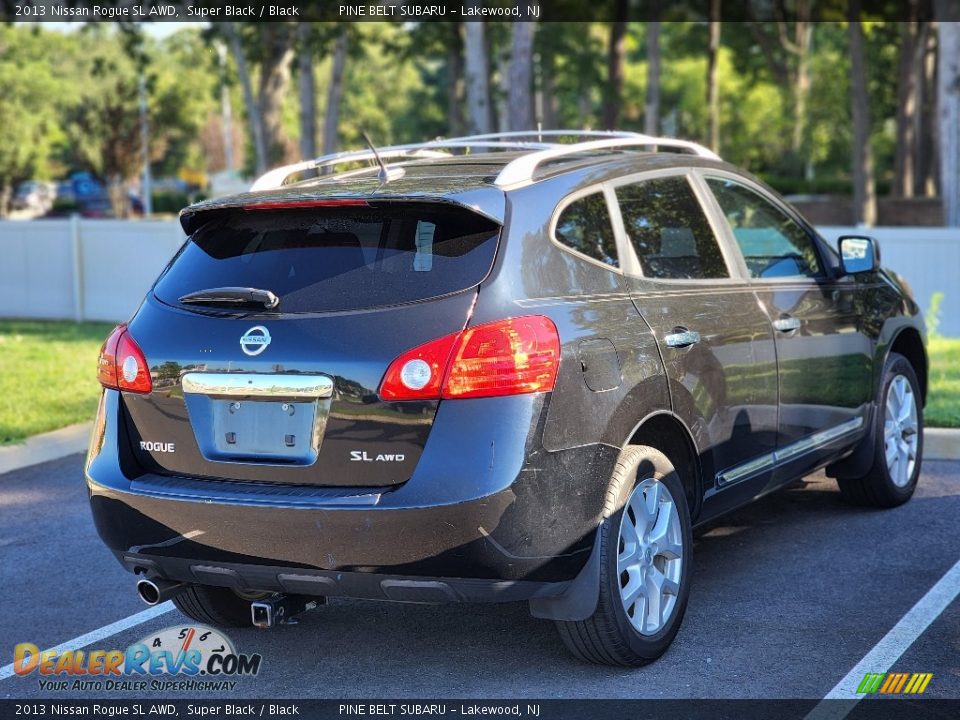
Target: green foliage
{"points": [[943, 401], [68, 100], [30, 90], [54, 365], [933, 314], [171, 202]]}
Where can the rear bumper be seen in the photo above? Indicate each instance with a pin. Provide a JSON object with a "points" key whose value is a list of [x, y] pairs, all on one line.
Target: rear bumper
{"points": [[487, 515]]}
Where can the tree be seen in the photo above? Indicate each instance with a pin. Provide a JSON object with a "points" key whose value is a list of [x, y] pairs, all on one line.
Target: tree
{"points": [[335, 92], [927, 180], [616, 61], [270, 45], [864, 196], [948, 102], [909, 79], [713, 95], [29, 91], [477, 77], [455, 89], [651, 116], [307, 84], [231, 32], [276, 43], [520, 98], [786, 46]]}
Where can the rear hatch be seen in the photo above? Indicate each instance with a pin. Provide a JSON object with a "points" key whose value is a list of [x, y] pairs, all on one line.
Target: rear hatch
{"points": [[245, 390]]}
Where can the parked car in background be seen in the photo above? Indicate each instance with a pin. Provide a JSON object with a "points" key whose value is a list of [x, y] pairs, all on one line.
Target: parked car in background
{"points": [[81, 194], [35, 196], [516, 375]]}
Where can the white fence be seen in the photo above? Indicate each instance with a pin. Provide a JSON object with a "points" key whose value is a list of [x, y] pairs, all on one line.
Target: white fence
{"points": [[101, 269]]}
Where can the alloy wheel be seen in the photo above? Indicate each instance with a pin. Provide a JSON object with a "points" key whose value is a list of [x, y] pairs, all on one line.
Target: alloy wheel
{"points": [[900, 431], [650, 556]]}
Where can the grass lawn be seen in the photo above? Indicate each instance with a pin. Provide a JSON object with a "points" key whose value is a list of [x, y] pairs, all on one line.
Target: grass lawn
{"points": [[48, 377], [943, 398]]}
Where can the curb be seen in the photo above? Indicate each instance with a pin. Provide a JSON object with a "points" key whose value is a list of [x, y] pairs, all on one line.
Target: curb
{"points": [[941, 444], [45, 447], [938, 444]]}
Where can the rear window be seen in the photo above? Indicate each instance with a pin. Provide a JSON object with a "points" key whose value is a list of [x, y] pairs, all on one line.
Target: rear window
{"points": [[336, 259]]}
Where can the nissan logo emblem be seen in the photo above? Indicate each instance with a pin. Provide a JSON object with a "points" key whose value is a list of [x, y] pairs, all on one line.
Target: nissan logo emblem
{"points": [[255, 340]]}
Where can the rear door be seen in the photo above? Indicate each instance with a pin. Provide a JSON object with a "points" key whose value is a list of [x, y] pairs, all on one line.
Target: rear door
{"points": [[248, 392], [716, 342], [824, 352]]}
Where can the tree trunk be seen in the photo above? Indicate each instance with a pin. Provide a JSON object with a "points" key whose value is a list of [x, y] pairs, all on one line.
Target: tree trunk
{"points": [[713, 95], [548, 90], [249, 100], [501, 104], [478, 77], [616, 63], [335, 94], [803, 33], [455, 91], [903, 170], [6, 195], [277, 40], [117, 193], [864, 199], [520, 97], [308, 93], [651, 119], [948, 109], [927, 179]]}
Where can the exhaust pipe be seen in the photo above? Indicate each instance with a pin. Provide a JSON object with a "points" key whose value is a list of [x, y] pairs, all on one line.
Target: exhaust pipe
{"points": [[158, 590]]}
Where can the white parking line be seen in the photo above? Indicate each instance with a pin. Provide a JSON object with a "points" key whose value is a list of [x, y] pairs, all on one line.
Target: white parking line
{"points": [[104, 632], [886, 652]]}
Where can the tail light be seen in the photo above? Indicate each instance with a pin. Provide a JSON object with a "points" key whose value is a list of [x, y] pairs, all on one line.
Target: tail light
{"points": [[122, 365], [506, 357]]}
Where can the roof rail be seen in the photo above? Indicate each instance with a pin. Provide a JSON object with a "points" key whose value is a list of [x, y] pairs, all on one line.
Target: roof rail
{"points": [[274, 178], [522, 169], [519, 170]]}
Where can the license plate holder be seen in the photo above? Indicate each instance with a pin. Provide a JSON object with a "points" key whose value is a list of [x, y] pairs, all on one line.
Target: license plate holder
{"points": [[258, 418], [264, 430]]}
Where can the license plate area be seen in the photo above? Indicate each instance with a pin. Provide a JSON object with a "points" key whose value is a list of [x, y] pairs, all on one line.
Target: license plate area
{"points": [[273, 419], [263, 430]]}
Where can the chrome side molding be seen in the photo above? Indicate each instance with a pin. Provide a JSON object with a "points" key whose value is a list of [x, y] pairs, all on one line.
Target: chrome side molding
{"points": [[262, 385], [787, 453]]}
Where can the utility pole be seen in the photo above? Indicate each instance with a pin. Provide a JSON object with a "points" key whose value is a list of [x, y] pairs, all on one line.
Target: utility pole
{"points": [[145, 142]]}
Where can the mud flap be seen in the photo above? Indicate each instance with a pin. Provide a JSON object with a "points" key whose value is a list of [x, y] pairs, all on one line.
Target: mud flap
{"points": [[580, 600], [858, 463]]}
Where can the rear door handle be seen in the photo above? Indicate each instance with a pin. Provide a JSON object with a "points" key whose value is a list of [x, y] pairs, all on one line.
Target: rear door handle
{"points": [[786, 324], [681, 338]]}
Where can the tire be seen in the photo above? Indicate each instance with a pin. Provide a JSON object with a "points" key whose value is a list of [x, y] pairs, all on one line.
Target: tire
{"points": [[611, 636], [215, 606], [885, 484]]}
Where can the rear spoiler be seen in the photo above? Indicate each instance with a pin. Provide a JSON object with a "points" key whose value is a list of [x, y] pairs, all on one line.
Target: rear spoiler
{"points": [[487, 202]]}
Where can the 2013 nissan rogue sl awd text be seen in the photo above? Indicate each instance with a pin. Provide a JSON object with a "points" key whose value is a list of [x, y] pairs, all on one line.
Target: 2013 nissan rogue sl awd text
{"points": [[496, 368]]}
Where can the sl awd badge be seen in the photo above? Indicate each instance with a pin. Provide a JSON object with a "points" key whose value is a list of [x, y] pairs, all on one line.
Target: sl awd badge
{"points": [[255, 340]]}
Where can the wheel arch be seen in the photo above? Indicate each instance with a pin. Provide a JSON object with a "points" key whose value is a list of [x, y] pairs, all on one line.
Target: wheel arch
{"points": [[669, 434], [909, 343]]}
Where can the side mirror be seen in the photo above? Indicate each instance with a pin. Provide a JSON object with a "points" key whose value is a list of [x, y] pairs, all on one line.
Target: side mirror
{"points": [[858, 254]]}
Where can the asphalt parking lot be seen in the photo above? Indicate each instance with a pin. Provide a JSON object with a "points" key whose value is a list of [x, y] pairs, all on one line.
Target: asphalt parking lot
{"points": [[789, 594]]}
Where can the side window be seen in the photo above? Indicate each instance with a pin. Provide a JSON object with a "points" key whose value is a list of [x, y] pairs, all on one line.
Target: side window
{"points": [[585, 226], [669, 230], [773, 245]]}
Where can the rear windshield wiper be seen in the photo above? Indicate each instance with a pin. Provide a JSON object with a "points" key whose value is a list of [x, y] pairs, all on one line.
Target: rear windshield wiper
{"points": [[232, 296]]}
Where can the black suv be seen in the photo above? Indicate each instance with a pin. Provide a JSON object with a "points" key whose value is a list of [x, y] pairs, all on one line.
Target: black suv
{"points": [[494, 368]]}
